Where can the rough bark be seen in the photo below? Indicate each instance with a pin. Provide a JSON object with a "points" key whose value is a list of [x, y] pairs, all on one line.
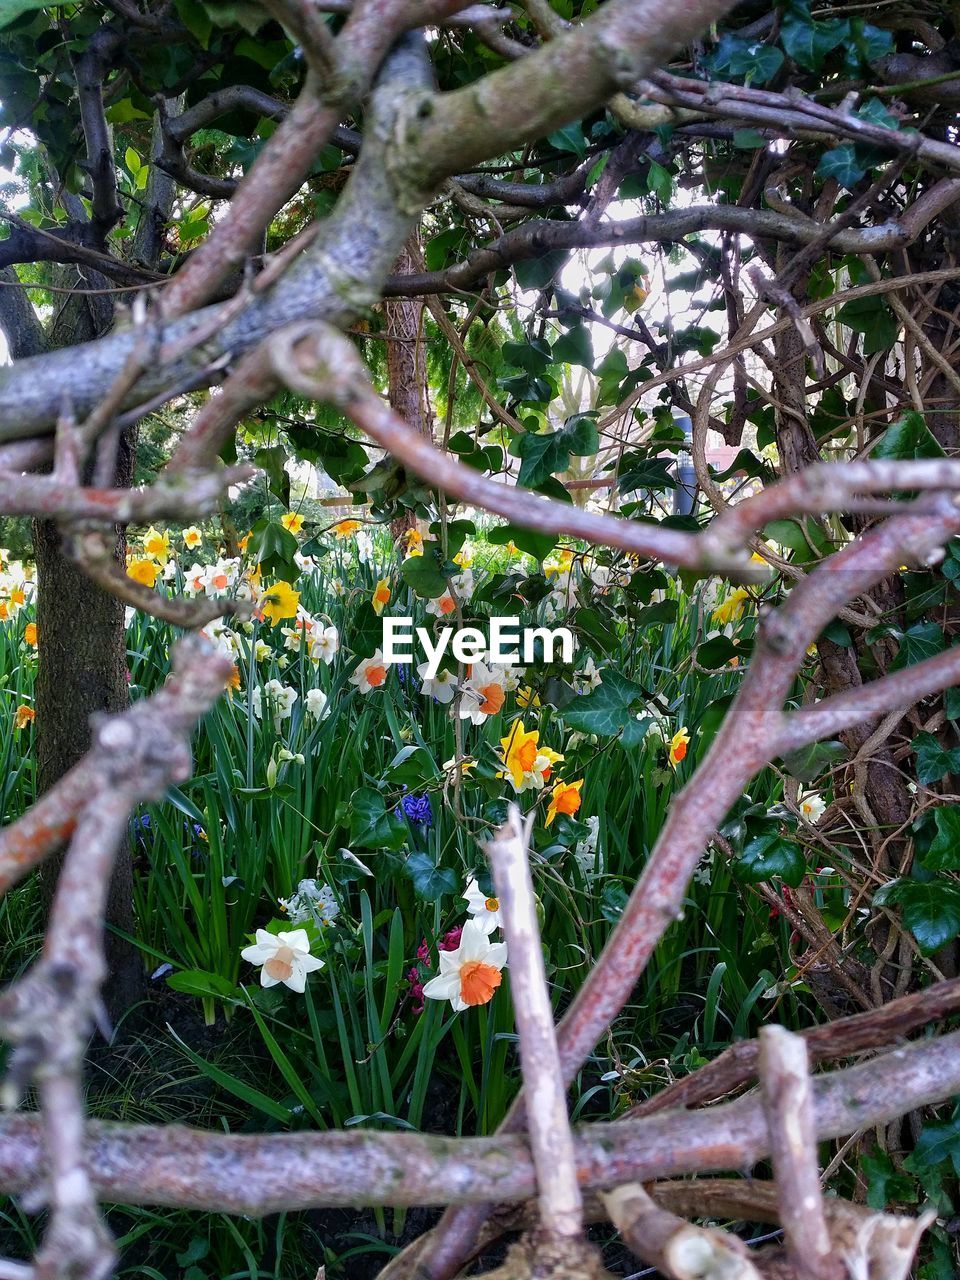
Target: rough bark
{"points": [[407, 388]]}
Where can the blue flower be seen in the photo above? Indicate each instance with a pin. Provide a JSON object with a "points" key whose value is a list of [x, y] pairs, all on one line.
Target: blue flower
{"points": [[417, 809]]}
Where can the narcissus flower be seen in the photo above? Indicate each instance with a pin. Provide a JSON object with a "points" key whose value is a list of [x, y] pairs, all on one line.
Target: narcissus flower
{"points": [[471, 974], [23, 716], [678, 746], [30, 634], [156, 545], [192, 538], [278, 602], [732, 608], [463, 558], [292, 522], [284, 957], [442, 606], [527, 763], [370, 673], [483, 694], [144, 571], [381, 596], [565, 798], [323, 645], [486, 911], [233, 681], [414, 541], [442, 687], [316, 701], [811, 805], [345, 529]]}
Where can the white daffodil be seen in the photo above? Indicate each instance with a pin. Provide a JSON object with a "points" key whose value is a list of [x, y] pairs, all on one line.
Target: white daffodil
{"points": [[280, 699], [471, 974], [442, 687], [586, 849], [811, 806], [442, 606], [483, 909], [587, 678], [483, 693], [370, 673], [324, 644], [317, 704], [312, 901], [283, 957]]}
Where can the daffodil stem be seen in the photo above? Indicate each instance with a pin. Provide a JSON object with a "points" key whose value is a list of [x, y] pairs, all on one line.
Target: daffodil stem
{"points": [[548, 1124]]}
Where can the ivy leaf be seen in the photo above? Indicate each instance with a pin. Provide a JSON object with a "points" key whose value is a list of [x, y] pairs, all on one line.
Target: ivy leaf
{"points": [[907, 439], [808, 43], [607, 709], [931, 909], [423, 573], [944, 851], [637, 472], [660, 182], [885, 1185], [808, 763], [847, 163], [544, 454], [933, 760], [274, 549], [871, 317], [10, 10], [939, 1142], [922, 640], [538, 545], [430, 882], [768, 857], [575, 347], [372, 825]]}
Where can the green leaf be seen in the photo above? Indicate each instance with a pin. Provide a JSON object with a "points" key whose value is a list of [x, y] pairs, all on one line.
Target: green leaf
{"points": [[10, 10], [922, 640], [938, 1143], [660, 182], [538, 545], [411, 766], [430, 882], [536, 273], [607, 709], [274, 548], [768, 857], [907, 439], [544, 454], [612, 901], [809, 762], [424, 574], [198, 982], [372, 825], [944, 851], [885, 1185], [637, 472], [844, 164], [931, 909], [569, 138], [933, 760], [874, 319], [808, 43], [575, 347]]}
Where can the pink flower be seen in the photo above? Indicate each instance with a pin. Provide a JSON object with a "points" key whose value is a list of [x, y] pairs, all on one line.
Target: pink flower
{"points": [[450, 941], [423, 952]]}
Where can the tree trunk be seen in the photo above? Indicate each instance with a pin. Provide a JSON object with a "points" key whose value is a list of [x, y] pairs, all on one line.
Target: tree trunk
{"points": [[407, 369]]}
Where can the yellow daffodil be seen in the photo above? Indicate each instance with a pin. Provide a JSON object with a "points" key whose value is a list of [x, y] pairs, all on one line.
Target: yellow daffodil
{"points": [[463, 558], [233, 681], [732, 608], [527, 763], [146, 572], [278, 602], [345, 529], [527, 698], [414, 541], [381, 596], [192, 537], [292, 522], [156, 545], [678, 746], [23, 716], [565, 798], [30, 634], [244, 543]]}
